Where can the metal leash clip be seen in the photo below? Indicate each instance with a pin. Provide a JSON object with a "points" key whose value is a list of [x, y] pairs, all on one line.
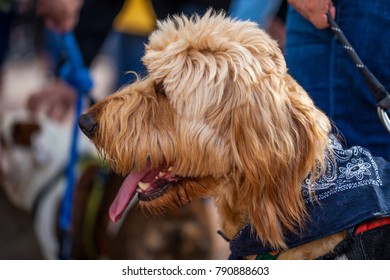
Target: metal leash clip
{"points": [[382, 97], [384, 117]]}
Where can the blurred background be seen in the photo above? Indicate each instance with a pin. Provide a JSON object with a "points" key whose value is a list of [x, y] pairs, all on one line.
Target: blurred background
{"points": [[111, 35]]}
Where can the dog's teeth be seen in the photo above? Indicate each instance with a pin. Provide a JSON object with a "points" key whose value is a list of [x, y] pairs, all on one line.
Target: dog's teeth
{"points": [[170, 169], [143, 186], [161, 174]]}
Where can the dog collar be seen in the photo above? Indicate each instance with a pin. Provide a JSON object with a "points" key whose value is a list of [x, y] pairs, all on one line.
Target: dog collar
{"points": [[355, 188], [45, 190], [269, 256]]}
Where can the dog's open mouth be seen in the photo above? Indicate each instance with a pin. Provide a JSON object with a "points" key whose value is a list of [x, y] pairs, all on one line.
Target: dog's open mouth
{"points": [[149, 184]]}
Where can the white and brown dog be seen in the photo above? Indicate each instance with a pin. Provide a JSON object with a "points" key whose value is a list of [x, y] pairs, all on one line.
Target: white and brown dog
{"points": [[33, 157]]}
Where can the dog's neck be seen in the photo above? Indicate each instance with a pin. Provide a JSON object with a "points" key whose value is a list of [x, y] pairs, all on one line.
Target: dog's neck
{"points": [[25, 189]]}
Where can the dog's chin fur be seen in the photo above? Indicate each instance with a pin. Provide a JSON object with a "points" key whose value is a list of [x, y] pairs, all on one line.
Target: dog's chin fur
{"points": [[219, 107]]}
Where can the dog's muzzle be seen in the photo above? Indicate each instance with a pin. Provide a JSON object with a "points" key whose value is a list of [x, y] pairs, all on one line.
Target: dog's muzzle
{"points": [[88, 125]]}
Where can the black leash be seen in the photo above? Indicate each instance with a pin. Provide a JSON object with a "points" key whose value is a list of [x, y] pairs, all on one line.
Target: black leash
{"points": [[382, 97]]}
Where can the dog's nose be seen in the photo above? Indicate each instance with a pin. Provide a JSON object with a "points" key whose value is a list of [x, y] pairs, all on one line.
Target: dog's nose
{"points": [[88, 125]]}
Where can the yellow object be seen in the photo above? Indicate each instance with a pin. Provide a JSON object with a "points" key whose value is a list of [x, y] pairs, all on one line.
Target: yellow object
{"points": [[136, 17]]}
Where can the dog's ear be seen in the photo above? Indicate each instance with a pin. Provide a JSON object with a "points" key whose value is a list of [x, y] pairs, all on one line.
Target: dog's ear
{"points": [[278, 137]]}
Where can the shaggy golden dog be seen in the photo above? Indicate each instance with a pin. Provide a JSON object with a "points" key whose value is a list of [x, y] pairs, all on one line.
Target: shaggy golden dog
{"points": [[218, 115]]}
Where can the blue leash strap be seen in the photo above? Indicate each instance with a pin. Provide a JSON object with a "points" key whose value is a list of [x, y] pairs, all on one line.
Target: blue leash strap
{"points": [[77, 75]]}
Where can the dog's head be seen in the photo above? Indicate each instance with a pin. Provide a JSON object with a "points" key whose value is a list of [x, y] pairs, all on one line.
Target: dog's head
{"points": [[218, 115], [32, 148]]}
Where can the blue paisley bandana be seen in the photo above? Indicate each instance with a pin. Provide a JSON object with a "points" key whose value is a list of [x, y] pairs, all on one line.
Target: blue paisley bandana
{"points": [[354, 188]]}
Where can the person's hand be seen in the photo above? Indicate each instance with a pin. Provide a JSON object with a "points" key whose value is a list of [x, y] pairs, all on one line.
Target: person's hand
{"points": [[315, 11], [60, 15], [56, 100]]}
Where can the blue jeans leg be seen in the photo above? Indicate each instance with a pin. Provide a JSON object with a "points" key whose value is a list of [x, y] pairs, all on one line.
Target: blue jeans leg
{"points": [[321, 65]]}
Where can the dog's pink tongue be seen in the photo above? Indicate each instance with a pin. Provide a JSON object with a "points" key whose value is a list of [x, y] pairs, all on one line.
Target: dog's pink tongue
{"points": [[126, 193]]}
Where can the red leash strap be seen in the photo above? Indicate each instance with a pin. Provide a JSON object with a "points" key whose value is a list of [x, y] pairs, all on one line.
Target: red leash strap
{"points": [[372, 224]]}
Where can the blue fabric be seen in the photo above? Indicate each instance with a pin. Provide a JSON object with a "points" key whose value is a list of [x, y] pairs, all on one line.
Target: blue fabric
{"points": [[76, 75], [354, 188], [126, 51], [317, 60], [260, 11], [6, 19]]}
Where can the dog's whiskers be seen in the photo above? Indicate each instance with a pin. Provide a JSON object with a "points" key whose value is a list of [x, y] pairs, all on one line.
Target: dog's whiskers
{"points": [[185, 191], [178, 196]]}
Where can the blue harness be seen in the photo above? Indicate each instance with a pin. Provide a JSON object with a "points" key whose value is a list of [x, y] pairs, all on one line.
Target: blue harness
{"points": [[354, 188]]}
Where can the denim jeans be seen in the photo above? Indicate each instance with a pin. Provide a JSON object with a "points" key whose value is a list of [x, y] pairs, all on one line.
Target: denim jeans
{"points": [[259, 11], [321, 65], [127, 53]]}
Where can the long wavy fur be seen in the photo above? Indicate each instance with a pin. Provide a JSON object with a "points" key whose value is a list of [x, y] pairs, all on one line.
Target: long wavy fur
{"points": [[231, 113]]}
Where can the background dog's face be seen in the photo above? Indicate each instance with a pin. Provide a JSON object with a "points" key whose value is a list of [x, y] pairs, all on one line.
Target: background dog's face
{"points": [[30, 146]]}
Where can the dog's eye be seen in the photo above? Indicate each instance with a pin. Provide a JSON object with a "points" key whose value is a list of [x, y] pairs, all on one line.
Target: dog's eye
{"points": [[159, 88], [22, 133]]}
